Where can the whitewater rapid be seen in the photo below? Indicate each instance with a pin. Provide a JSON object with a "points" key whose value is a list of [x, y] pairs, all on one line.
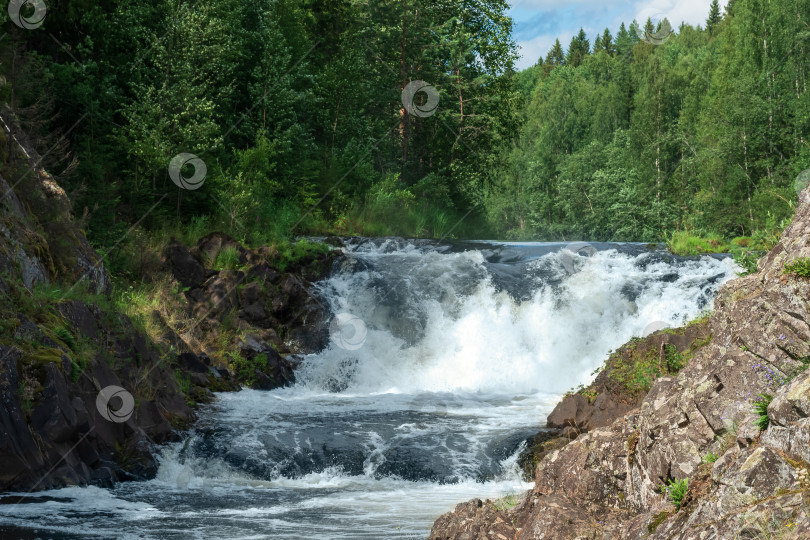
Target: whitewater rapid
{"points": [[455, 355]]}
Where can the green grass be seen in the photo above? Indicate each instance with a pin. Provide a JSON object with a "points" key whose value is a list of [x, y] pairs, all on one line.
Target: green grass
{"points": [[747, 250], [226, 259], [761, 408], [687, 243], [66, 337], [798, 267], [290, 253], [640, 365], [183, 381]]}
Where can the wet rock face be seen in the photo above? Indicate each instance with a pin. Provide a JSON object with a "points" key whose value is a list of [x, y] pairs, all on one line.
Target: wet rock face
{"points": [[743, 482]]}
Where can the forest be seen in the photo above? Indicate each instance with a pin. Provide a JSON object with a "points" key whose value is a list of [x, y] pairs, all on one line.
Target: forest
{"points": [[275, 119]]}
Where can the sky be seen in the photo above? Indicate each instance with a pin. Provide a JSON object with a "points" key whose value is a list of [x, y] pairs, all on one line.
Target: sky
{"points": [[539, 22]]}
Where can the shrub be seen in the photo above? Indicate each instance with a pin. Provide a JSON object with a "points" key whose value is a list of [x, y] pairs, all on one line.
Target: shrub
{"points": [[761, 408]]}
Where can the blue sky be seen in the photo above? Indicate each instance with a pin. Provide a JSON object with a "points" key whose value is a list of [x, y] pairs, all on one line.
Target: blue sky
{"points": [[539, 22]]}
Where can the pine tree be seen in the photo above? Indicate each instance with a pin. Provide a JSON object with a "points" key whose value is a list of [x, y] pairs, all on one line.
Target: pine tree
{"points": [[714, 17]]}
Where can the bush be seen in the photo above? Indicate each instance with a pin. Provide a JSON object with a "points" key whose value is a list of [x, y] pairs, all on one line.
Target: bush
{"points": [[761, 408]]}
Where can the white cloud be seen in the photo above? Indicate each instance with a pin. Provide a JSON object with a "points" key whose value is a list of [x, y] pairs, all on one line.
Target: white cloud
{"points": [[692, 12], [530, 51], [565, 18]]}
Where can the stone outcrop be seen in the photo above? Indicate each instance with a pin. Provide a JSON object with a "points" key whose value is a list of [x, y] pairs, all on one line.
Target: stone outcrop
{"points": [[699, 425], [275, 313], [86, 395]]}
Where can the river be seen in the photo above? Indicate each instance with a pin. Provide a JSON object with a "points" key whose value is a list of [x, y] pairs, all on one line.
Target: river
{"points": [[445, 357]]}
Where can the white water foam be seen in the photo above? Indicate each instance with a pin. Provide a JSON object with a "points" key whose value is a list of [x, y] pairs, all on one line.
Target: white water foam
{"points": [[479, 339]]}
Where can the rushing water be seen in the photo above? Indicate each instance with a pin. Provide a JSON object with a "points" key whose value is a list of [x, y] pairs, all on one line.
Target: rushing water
{"points": [[461, 351]]}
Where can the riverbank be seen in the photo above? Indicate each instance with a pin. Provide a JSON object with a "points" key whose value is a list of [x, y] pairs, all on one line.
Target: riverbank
{"points": [[718, 450], [94, 378]]}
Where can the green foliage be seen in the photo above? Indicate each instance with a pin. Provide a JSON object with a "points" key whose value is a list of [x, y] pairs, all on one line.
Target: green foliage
{"points": [[66, 337], [798, 267], [507, 502], [681, 136], [291, 253], [761, 409], [710, 458], [245, 368], [676, 490], [294, 107], [702, 134], [674, 359], [183, 381]]}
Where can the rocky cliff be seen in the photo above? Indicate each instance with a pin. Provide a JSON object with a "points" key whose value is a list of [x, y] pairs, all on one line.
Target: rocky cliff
{"points": [[617, 471], [87, 393]]}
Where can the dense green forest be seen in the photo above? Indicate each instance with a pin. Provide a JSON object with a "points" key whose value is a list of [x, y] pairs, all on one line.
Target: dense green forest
{"points": [[655, 130], [299, 111]]}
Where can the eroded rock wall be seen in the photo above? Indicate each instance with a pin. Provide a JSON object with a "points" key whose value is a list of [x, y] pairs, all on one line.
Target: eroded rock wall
{"points": [[607, 482]]}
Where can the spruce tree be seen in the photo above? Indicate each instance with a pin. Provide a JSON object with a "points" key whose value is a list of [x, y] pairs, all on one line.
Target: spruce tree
{"points": [[607, 42], [555, 56], [714, 17]]}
